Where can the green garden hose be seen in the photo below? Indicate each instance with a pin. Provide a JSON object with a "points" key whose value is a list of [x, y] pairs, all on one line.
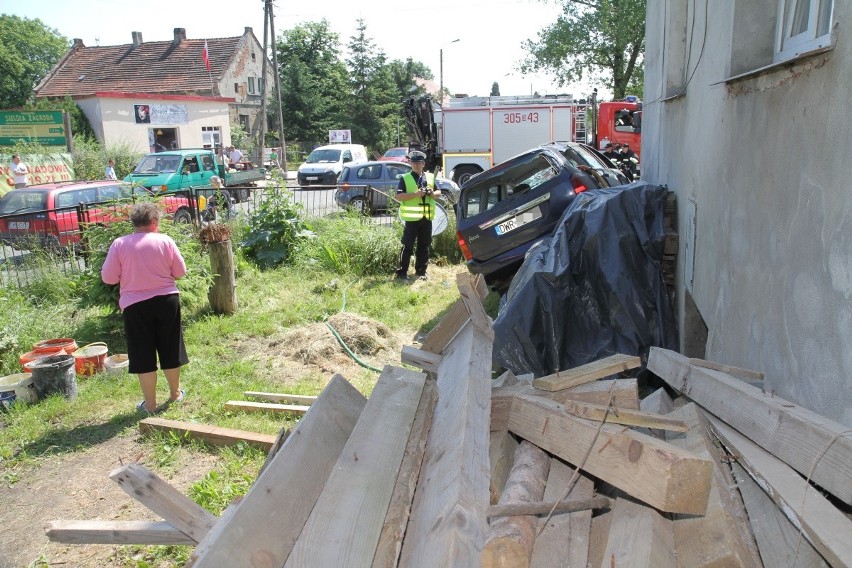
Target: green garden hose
{"points": [[343, 343]]}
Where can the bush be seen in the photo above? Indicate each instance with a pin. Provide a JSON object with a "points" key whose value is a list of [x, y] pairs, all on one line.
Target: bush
{"points": [[274, 229], [90, 159]]}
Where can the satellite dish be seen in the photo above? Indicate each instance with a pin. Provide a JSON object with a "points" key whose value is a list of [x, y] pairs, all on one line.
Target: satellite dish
{"points": [[439, 223]]}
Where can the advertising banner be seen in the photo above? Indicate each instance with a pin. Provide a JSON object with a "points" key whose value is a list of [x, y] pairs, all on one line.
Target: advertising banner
{"points": [[161, 114], [44, 168], [339, 136]]}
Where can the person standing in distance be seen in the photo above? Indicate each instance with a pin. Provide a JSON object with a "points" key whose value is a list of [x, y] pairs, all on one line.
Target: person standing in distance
{"points": [[146, 264], [20, 171], [235, 156], [109, 172], [416, 195]]}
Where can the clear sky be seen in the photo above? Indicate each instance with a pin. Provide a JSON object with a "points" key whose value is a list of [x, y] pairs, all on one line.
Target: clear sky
{"points": [[490, 32]]}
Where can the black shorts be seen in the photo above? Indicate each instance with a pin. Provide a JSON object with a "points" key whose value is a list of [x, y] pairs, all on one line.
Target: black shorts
{"points": [[153, 328]]}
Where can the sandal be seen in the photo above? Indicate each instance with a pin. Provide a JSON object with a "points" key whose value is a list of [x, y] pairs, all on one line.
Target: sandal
{"points": [[181, 396], [141, 409]]}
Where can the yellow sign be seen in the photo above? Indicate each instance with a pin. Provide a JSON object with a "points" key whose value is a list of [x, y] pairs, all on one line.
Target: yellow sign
{"points": [[44, 168]]}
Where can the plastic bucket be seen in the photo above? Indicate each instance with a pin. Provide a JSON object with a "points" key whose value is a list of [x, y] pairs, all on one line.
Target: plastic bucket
{"points": [[52, 346], [21, 384], [117, 364], [27, 358], [55, 374], [89, 359]]}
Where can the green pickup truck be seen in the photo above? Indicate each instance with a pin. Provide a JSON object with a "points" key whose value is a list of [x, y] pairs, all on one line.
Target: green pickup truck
{"points": [[192, 167]]}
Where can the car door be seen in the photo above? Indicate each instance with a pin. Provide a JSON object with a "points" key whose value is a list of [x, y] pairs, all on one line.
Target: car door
{"points": [[66, 214], [190, 172]]}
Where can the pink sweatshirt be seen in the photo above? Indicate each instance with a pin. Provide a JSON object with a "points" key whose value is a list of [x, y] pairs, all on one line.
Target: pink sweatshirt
{"points": [[145, 264]]}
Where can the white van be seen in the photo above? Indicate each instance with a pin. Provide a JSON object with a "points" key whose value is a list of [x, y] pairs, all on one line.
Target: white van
{"points": [[325, 163]]}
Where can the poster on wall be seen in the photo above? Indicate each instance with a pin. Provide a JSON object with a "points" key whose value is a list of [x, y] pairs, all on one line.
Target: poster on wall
{"points": [[161, 114], [142, 114], [339, 136]]}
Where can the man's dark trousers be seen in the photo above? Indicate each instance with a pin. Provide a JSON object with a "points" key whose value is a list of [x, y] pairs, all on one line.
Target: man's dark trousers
{"points": [[421, 231]]}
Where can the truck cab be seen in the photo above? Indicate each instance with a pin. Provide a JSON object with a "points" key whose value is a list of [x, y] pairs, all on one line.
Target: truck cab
{"points": [[620, 122]]}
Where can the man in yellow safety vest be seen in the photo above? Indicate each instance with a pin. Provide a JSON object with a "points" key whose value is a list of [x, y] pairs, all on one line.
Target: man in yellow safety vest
{"points": [[416, 194]]}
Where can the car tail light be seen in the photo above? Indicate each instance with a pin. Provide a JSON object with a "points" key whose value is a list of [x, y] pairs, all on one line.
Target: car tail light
{"points": [[577, 183], [463, 246]]}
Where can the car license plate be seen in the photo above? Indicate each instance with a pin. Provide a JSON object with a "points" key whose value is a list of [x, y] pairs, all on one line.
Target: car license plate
{"points": [[519, 221], [19, 225], [312, 178]]}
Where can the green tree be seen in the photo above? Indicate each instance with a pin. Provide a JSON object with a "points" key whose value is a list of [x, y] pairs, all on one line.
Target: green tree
{"points": [[602, 39], [28, 50], [80, 126], [314, 83], [495, 89], [405, 76]]}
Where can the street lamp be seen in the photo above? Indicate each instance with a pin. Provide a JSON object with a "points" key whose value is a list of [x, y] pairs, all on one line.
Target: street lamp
{"points": [[441, 68]]}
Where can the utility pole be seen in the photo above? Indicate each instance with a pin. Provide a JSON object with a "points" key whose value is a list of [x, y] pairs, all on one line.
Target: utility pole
{"points": [[262, 141], [277, 88]]}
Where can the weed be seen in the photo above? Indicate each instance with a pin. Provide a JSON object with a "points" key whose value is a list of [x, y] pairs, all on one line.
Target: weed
{"points": [[274, 229]]}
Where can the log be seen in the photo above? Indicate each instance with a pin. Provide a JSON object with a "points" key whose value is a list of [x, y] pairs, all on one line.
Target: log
{"points": [[587, 373], [501, 453], [223, 292], [511, 539]]}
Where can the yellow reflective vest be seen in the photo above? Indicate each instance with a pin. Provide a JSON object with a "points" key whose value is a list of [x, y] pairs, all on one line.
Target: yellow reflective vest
{"points": [[413, 209]]}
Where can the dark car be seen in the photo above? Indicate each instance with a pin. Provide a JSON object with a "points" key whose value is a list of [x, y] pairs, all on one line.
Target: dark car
{"points": [[591, 161], [368, 187], [48, 215], [504, 211]]}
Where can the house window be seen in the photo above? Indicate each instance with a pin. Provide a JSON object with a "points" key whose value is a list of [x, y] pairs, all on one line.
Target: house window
{"points": [[253, 56], [211, 136], [803, 26], [244, 122], [237, 88], [251, 86]]}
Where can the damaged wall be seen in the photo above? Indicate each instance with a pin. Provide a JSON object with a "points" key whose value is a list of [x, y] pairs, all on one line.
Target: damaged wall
{"points": [[763, 159]]}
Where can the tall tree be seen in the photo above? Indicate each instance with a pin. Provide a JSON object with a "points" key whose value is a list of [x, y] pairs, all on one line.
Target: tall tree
{"points": [[314, 82], [593, 39], [409, 76], [495, 89], [28, 50]]}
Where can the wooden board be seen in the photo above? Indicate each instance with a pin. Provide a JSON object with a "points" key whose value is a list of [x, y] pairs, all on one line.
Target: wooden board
{"points": [[564, 541], [809, 443], [449, 512], [273, 512], [598, 538], [739, 372], [115, 532], [614, 415], [213, 435], [657, 473], [419, 358], [346, 522], [248, 406], [473, 303], [441, 335], [639, 537], [282, 397], [587, 373], [658, 402], [720, 537], [827, 529]]}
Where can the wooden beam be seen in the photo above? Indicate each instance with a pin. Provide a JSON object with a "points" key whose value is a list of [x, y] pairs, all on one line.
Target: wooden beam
{"points": [[545, 507], [587, 373], [115, 532], [180, 511], [658, 402], [825, 527], [564, 541], [448, 520], [213, 435], [358, 492], [639, 537], [657, 473], [599, 412], [441, 335], [273, 512], [501, 455], [811, 444], [739, 372], [473, 303], [399, 510], [280, 397], [425, 360], [248, 406], [598, 539], [720, 537]]}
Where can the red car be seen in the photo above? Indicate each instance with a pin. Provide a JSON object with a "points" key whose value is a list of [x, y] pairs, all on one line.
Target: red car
{"points": [[48, 215], [398, 154]]}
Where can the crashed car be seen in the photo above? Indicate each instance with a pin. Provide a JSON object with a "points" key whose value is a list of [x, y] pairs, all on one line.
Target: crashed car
{"points": [[504, 211]]}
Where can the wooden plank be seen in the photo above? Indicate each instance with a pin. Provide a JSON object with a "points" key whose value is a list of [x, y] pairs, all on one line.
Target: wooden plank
{"points": [[564, 541], [639, 537], [653, 471], [473, 303], [598, 538], [825, 527], [658, 402], [273, 512], [115, 532], [441, 335], [721, 536], [248, 406], [448, 521], [213, 435], [624, 394], [546, 507], [739, 372], [180, 511], [501, 455], [779, 542], [587, 373], [282, 397], [390, 541], [811, 444], [424, 360], [357, 494], [599, 412], [507, 379]]}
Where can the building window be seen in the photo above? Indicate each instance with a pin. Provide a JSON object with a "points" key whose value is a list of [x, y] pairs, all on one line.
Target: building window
{"points": [[211, 136], [244, 122], [237, 88], [253, 57], [803, 26], [251, 86]]}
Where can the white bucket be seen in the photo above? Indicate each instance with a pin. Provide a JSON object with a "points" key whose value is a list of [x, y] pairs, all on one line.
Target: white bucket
{"points": [[21, 384], [117, 364]]}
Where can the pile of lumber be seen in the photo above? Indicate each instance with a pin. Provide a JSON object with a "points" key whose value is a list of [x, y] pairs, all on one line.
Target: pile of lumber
{"points": [[448, 467]]}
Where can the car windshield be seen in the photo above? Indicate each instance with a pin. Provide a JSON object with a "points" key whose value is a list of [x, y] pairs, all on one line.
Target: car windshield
{"points": [[20, 200], [158, 164], [323, 156], [395, 153]]}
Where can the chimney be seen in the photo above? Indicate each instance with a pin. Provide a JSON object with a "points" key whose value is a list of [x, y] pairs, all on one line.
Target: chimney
{"points": [[248, 30], [137, 39], [78, 43], [180, 35]]}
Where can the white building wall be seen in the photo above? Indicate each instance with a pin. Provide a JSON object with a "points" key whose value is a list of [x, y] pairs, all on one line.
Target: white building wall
{"points": [[764, 162]]}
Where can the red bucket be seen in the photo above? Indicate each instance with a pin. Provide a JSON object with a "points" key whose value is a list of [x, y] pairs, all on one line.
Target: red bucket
{"points": [[34, 355], [54, 345], [89, 359]]}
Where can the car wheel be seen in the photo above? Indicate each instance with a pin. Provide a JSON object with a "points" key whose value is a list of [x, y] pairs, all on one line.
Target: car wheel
{"points": [[183, 217], [464, 173], [358, 204]]}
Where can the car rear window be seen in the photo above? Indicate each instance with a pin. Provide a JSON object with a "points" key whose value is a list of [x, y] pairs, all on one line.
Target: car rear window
{"points": [[370, 172], [515, 182], [20, 200], [74, 197]]}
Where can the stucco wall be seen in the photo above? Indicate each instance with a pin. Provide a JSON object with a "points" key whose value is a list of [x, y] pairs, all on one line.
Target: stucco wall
{"points": [[248, 62], [765, 160]]}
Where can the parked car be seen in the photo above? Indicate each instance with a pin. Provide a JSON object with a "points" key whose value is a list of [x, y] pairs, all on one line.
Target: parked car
{"points": [[398, 154], [367, 187], [324, 164], [505, 210], [48, 215], [586, 158]]}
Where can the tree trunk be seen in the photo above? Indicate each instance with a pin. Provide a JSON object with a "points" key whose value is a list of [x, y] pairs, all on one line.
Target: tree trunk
{"points": [[222, 294]]}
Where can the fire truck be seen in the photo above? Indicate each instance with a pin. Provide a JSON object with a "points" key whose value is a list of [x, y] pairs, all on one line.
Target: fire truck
{"points": [[469, 135]]}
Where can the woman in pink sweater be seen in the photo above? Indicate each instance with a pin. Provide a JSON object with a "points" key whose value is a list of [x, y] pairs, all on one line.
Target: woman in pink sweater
{"points": [[146, 264]]}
